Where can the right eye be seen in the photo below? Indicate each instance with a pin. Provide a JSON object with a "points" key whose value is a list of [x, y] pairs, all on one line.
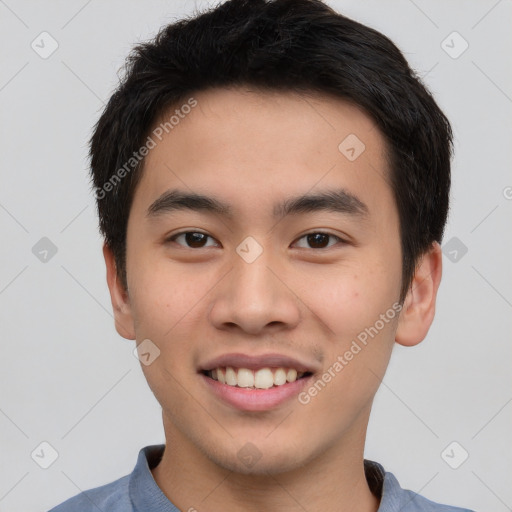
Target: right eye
{"points": [[193, 239]]}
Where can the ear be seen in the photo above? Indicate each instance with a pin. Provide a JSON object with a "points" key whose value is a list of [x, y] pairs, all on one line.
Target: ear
{"points": [[119, 297], [420, 303]]}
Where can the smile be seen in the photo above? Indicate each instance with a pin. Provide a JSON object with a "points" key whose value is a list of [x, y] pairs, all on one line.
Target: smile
{"points": [[263, 378]]}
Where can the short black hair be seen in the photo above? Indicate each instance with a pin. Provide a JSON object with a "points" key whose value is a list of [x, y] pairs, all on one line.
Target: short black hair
{"points": [[299, 46]]}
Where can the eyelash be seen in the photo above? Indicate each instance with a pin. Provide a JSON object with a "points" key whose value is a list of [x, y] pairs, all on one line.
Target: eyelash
{"points": [[176, 235]]}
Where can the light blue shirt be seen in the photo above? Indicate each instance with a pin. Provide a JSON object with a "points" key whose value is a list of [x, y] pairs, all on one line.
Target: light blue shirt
{"points": [[138, 492]]}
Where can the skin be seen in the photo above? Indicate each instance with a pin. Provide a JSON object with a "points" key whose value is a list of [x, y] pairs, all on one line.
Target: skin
{"points": [[252, 149]]}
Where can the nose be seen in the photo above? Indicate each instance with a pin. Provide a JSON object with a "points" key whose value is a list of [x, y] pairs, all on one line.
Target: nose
{"points": [[255, 297]]}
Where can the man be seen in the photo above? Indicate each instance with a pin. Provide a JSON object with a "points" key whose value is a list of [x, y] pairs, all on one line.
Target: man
{"points": [[272, 183]]}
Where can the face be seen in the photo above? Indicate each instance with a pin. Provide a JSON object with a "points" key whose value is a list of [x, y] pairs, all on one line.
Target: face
{"points": [[263, 281]]}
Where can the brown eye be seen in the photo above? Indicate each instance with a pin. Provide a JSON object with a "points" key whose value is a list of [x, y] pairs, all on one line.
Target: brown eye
{"points": [[193, 239], [319, 240]]}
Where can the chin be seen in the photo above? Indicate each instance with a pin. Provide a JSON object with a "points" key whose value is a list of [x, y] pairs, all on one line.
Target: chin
{"points": [[259, 461]]}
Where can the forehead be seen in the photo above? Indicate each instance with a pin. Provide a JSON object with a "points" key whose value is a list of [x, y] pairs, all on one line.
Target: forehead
{"points": [[250, 149]]}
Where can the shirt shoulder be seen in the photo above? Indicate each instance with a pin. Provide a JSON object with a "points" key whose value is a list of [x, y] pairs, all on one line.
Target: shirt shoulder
{"points": [[415, 503], [393, 498], [113, 497], [136, 492]]}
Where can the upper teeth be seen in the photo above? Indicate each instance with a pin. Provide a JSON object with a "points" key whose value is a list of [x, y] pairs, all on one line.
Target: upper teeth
{"points": [[261, 379]]}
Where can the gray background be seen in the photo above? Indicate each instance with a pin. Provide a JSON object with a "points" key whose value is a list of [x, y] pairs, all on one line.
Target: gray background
{"points": [[68, 379]]}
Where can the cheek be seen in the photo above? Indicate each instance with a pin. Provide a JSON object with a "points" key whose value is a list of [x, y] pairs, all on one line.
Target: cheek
{"points": [[166, 309], [350, 298], [163, 296], [357, 307]]}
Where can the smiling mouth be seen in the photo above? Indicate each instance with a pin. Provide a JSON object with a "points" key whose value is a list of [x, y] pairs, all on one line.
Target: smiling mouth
{"points": [[263, 378]]}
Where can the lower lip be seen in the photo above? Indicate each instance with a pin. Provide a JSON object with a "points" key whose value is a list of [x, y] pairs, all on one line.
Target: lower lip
{"points": [[255, 399]]}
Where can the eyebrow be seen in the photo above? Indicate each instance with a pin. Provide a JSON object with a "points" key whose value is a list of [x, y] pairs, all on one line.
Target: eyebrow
{"points": [[339, 201]]}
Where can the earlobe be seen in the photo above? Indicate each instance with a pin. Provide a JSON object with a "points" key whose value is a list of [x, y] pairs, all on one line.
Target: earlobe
{"points": [[119, 297], [419, 306]]}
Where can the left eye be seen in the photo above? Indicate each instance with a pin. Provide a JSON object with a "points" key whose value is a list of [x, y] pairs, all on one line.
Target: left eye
{"points": [[318, 239], [197, 239]]}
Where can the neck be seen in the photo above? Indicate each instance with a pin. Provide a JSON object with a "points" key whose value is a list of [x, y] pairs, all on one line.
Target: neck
{"points": [[333, 481]]}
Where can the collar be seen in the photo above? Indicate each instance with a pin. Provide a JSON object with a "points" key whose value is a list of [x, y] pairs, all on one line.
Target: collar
{"points": [[146, 496]]}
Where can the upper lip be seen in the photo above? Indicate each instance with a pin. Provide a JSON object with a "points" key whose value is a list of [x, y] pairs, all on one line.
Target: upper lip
{"points": [[239, 360]]}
